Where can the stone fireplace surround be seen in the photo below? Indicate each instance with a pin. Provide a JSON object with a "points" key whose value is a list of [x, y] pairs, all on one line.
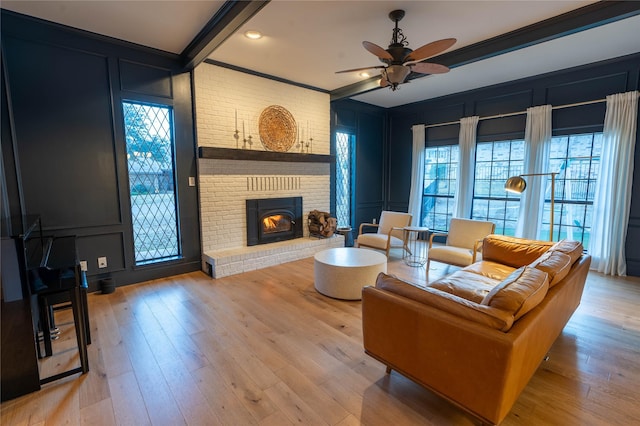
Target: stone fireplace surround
{"points": [[226, 184]]}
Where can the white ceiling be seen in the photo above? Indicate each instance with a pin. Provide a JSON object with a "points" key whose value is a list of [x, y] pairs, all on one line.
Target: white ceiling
{"points": [[307, 41]]}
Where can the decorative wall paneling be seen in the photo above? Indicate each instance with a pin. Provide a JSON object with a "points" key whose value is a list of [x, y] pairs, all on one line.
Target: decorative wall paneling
{"points": [[145, 79], [64, 89], [371, 175]]}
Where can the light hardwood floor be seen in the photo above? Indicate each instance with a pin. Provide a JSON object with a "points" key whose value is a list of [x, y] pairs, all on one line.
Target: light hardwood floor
{"points": [[265, 348]]}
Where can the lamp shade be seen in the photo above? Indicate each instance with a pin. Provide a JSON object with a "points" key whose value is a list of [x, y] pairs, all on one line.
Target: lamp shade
{"points": [[515, 184], [396, 74]]}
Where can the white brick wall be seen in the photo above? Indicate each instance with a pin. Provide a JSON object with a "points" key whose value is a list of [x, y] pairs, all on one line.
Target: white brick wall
{"points": [[221, 93], [224, 185]]}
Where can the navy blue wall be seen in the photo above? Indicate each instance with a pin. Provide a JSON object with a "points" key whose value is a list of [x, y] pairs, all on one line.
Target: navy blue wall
{"points": [[368, 123], [586, 83], [64, 153]]}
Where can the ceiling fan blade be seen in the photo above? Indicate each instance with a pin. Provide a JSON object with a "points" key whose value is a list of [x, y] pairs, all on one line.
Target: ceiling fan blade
{"points": [[430, 49], [377, 50], [360, 69], [429, 68]]}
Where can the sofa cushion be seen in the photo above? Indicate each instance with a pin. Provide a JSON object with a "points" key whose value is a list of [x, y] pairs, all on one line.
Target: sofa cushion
{"points": [[573, 249], [555, 263], [520, 292], [465, 284], [450, 303], [511, 251], [489, 269]]}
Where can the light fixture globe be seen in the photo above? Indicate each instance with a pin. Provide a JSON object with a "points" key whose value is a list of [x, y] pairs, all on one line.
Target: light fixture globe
{"points": [[395, 75], [515, 184]]}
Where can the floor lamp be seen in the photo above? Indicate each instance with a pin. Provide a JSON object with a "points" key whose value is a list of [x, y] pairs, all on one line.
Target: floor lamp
{"points": [[517, 184]]}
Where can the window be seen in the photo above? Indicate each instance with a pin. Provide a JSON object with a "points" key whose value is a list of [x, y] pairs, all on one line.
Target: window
{"points": [[440, 177], [344, 168], [577, 160], [149, 140], [495, 163]]}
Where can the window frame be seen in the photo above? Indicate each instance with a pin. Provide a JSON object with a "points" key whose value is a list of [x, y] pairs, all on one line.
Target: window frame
{"points": [[505, 197], [451, 179]]}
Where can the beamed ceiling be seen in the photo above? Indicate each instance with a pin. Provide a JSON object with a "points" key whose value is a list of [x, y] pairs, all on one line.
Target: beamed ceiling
{"points": [[306, 42]]}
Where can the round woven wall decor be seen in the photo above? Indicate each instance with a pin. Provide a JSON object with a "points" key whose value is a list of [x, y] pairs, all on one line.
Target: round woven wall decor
{"points": [[277, 128]]}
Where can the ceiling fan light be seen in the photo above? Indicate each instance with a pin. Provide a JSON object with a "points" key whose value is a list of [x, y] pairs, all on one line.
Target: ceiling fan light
{"points": [[396, 74]]}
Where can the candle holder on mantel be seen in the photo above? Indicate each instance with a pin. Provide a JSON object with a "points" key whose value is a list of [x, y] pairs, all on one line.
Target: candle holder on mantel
{"points": [[236, 134]]}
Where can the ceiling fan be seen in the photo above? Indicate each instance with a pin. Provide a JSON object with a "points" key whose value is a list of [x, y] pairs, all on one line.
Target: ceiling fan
{"points": [[400, 60]]}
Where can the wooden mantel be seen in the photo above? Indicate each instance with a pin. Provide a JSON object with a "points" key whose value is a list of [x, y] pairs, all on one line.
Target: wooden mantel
{"points": [[255, 155]]}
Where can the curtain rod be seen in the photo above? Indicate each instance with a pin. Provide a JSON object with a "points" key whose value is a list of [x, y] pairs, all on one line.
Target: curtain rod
{"points": [[510, 114]]}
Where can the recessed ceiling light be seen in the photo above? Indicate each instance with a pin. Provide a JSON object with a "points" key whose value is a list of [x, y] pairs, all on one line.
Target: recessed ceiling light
{"points": [[253, 34]]}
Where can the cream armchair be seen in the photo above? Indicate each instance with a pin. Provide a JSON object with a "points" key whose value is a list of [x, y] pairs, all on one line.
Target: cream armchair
{"points": [[390, 233], [463, 242]]}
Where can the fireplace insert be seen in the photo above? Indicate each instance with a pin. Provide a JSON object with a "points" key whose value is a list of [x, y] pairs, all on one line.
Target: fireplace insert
{"points": [[273, 219]]}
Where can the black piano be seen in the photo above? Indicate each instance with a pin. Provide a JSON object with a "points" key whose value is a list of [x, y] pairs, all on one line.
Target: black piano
{"points": [[46, 276]]}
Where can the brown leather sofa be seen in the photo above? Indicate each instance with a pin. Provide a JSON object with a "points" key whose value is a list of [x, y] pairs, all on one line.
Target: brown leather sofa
{"points": [[476, 337]]}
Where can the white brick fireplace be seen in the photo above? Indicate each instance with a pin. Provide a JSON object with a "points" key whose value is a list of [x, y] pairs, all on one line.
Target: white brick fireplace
{"points": [[226, 184]]}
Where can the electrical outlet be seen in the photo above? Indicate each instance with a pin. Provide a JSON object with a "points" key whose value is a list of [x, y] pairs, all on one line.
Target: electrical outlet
{"points": [[102, 262], [192, 181], [83, 265], [374, 220]]}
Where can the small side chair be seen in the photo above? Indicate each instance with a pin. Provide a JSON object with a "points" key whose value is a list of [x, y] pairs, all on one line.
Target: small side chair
{"points": [[390, 233], [464, 240]]}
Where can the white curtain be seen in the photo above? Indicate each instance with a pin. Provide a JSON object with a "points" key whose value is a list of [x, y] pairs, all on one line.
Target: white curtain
{"points": [[613, 192], [417, 174], [466, 167], [537, 143]]}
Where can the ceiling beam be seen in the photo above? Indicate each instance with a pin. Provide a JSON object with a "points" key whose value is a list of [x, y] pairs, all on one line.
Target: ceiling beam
{"points": [[584, 18], [231, 16]]}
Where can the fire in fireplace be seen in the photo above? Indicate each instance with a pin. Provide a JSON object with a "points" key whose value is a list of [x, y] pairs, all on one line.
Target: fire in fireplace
{"points": [[273, 219], [276, 223]]}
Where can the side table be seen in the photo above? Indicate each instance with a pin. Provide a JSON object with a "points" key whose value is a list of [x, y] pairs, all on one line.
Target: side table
{"points": [[417, 255], [346, 232]]}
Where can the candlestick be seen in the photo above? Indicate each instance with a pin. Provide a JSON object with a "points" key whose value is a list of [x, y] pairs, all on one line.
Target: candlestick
{"points": [[244, 139], [236, 134]]}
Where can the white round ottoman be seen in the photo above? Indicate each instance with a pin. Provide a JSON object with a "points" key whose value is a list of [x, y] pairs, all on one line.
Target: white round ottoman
{"points": [[342, 272]]}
